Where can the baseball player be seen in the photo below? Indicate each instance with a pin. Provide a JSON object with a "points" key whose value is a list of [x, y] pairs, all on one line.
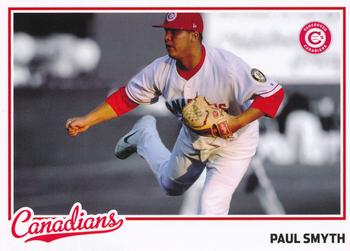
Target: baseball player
{"points": [[217, 96]]}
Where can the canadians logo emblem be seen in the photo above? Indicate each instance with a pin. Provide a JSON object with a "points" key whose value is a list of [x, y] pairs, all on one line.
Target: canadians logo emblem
{"points": [[315, 37], [78, 222]]}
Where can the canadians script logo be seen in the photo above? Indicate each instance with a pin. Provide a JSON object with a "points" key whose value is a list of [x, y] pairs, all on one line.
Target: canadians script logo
{"points": [[78, 222]]}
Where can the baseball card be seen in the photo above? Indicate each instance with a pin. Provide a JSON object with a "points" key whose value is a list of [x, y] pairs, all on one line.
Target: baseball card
{"points": [[174, 126]]}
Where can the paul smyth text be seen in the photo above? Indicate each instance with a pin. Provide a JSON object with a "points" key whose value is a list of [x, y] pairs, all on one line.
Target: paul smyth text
{"points": [[307, 238]]}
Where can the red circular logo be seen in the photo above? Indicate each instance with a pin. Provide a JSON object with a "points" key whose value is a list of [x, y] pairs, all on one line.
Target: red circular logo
{"points": [[315, 37], [171, 16]]}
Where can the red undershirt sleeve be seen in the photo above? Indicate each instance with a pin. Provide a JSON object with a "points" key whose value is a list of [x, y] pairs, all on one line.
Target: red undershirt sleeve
{"points": [[269, 105], [120, 102]]}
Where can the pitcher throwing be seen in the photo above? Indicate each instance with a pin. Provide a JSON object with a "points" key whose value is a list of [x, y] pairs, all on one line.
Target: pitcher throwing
{"points": [[216, 95]]}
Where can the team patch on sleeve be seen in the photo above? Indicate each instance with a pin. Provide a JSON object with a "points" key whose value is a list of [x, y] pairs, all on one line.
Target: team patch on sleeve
{"points": [[258, 75]]}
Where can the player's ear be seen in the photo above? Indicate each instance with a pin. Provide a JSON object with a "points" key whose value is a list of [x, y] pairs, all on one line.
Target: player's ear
{"points": [[195, 35]]}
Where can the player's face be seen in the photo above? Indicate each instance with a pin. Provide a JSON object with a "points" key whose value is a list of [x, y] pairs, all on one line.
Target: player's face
{"points": [[177, 43]]}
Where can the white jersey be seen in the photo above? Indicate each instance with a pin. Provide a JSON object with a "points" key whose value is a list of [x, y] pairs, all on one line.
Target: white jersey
{"points": [[224, 79]]}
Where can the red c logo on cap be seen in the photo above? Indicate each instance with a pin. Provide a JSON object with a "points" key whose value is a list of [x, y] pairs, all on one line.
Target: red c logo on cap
{"points": [[171, 17]]}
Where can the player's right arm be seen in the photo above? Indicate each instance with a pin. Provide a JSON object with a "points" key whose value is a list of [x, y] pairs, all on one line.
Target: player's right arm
{"points": [[140, 90], [102, 113], [115, 105]]}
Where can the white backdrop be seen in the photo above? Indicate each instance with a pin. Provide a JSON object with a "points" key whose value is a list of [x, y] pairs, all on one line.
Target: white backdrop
{"points": [[270, 41]]}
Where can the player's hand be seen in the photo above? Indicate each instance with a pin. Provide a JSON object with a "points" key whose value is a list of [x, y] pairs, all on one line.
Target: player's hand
{"points": [[76, 126]]}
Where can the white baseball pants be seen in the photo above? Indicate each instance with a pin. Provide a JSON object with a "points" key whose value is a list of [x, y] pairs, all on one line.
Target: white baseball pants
{"points": [[176, 171]]}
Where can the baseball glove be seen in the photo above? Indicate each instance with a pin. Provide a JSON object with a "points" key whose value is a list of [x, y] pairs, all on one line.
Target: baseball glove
{"points": [[206, 119]]}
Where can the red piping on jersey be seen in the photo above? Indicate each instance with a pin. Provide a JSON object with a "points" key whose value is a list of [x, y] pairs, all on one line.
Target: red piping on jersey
{"points": [[120, 102], [269, 105], [263, 93], [187, 74]]}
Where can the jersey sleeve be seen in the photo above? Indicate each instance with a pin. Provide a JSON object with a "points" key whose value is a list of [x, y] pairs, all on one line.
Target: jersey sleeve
{"points": [[269, 105], [120, 102], [250, 82], [144, 87]]}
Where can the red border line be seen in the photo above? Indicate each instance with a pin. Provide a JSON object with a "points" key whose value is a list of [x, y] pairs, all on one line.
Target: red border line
{"points": [[9, 124], [344, 112], [172, 8], [343, 9], [230, 218]]}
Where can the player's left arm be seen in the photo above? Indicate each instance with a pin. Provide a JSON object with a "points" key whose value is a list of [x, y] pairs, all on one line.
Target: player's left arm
{"points": [[261, 106]]}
